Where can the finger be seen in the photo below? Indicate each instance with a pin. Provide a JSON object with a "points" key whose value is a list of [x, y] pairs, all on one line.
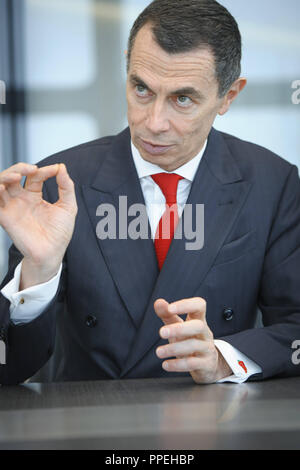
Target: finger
{"points": [[194, 307], [161, 309], [10, 177], [66, 191], [11, 182], [185, 364], [187, 329], [184, 348], [4, 196], [34, 182], [21, 168]]}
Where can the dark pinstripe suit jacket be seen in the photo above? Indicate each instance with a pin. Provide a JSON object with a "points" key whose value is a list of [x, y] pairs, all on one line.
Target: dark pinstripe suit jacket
{"points": [[101, 323]]}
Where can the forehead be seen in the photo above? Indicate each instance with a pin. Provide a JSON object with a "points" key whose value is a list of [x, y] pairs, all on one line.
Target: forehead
{"points": [[149, 60]]}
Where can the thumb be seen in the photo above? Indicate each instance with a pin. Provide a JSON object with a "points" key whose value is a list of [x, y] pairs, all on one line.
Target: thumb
{"points": [[66, 191]]}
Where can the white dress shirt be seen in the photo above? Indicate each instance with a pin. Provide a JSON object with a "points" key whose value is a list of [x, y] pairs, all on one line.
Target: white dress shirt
{"points": [[28, 304]]}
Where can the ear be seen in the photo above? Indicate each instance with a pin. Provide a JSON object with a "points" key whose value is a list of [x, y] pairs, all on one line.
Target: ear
{"points": [[232, 93]]}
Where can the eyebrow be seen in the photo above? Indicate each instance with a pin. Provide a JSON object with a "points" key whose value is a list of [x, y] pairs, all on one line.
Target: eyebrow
{"points": [[136, 80]]}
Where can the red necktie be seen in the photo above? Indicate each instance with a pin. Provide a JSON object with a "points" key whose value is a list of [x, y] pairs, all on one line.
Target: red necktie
{"points": [[168, 183]]}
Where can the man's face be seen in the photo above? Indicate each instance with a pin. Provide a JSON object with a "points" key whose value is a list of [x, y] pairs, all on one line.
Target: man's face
{"points": [[172, 101]]}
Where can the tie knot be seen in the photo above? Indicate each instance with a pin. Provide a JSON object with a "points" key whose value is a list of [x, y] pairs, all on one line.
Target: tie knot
{"points": [[168, 183]]}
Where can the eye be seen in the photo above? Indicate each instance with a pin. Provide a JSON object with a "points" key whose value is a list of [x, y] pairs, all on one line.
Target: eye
{"points": [[141, 90], [183, 101]]}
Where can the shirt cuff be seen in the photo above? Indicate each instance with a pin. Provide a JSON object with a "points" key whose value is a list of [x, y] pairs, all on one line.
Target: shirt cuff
{"points": [[242, 367], [28, 304]]}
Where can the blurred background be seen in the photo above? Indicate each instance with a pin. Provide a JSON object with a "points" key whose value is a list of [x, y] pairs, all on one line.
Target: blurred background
{"points": [[63, 64]]}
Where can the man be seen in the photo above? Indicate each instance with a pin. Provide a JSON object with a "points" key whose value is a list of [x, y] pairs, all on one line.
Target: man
{"points": [[130, 307]]}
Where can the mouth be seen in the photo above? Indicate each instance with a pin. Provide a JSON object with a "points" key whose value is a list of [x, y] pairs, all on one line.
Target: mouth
{"points": [[155, 149]]}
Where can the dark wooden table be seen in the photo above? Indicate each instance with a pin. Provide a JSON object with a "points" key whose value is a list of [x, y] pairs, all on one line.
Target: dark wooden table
{"points": [[151, 414]]}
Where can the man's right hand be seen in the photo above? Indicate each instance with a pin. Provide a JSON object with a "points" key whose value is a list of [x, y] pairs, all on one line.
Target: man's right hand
{"points": [[41, 231]]}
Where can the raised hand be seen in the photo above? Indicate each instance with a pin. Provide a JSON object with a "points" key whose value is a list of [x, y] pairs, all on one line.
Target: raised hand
{"points": [[41, 231]]}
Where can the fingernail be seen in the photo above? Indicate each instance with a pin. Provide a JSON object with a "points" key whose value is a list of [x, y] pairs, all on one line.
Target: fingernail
{"points": [[159, 352], [165, 365], [165, 332]]}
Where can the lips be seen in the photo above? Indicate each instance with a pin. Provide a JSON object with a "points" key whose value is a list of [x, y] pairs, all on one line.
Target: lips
{"points": [[155, 149]]}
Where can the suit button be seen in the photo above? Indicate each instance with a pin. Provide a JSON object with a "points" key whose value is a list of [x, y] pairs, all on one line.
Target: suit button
{"points": [[228, 314], [91, 321]]}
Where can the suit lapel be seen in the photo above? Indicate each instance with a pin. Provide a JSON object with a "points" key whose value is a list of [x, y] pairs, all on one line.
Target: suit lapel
{"points": [[219, 186], [131, 263]]}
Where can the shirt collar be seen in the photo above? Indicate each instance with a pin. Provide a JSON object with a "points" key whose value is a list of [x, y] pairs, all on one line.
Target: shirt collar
{"points": [[187, 171]]}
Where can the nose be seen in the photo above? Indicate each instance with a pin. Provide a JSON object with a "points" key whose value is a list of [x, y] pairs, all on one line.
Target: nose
{"points": [[157, 118]]}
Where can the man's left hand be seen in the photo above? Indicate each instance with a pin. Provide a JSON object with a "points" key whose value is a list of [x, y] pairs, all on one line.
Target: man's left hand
{"points": [[190, 341]]}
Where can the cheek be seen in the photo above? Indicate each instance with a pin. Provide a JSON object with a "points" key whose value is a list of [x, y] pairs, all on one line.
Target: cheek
{"points": [[187, 126], [200, 123], [135, 113]]}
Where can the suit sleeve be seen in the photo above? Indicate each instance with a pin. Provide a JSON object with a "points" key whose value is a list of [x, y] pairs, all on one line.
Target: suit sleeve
{"points": [[279, 296], [28, 346]]}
